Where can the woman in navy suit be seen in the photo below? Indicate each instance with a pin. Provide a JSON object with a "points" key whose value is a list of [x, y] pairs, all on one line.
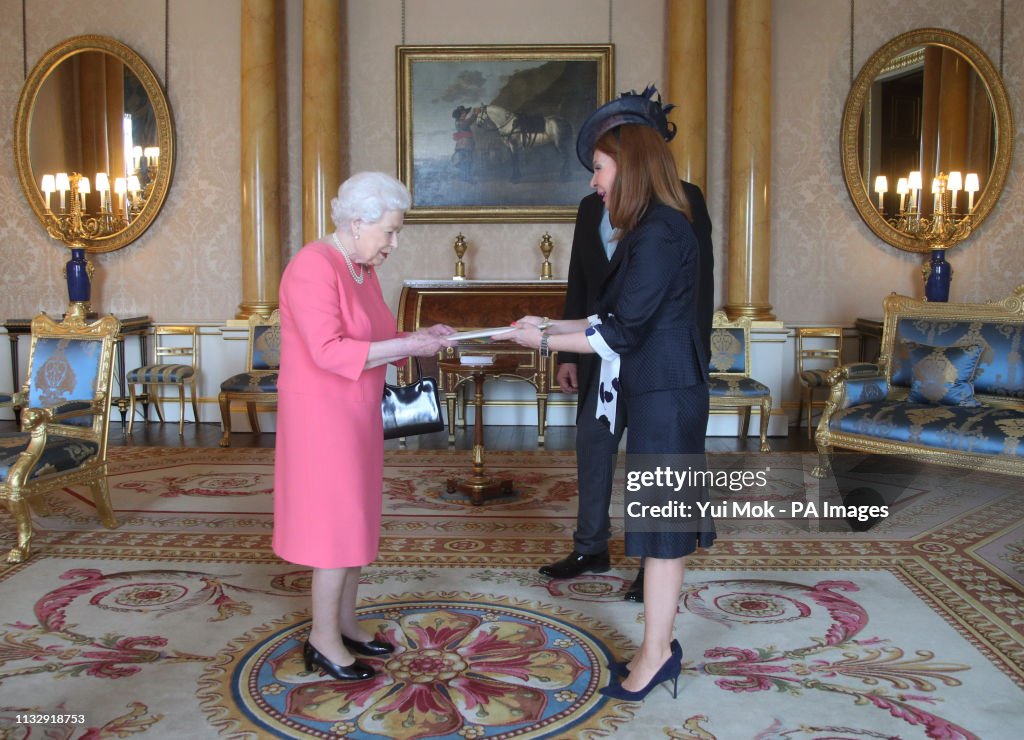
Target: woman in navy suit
{"points": [[653, 358]]}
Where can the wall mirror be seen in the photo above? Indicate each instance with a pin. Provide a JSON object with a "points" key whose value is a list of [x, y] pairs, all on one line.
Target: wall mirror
{"points": [[927, 102], [94, 143]]}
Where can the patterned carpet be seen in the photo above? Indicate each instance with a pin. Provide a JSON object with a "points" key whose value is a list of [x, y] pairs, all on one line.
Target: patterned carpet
{"points": [[182, 623]]}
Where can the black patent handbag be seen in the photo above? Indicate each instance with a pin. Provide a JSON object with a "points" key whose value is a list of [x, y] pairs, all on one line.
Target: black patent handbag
{"points": [[411, 409]]}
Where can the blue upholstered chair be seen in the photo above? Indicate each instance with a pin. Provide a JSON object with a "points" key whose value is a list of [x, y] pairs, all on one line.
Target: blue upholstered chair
{"points": [[731, 386], [66, 408], [175, 362], [258, 384]]}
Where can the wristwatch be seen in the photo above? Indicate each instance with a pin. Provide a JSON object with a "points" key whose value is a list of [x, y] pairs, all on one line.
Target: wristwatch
{"points": [[545, 351]]}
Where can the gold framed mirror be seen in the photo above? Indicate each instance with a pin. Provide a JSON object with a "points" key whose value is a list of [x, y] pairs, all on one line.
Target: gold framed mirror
{"points": [[92, 110], [931, 102]]}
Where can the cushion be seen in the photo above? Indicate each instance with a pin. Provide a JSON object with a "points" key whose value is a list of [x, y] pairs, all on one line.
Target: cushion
{"points": [[161, 374], [737, 387], [60, 454], [943, 375], [258, 381]]}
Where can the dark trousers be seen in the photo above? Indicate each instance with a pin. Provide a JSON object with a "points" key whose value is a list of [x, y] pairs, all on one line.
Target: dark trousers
{"points": [[596, 452]]}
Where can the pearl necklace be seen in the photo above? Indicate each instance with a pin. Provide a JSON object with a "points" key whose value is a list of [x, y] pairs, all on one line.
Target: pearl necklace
{"points": [[352, 271]]}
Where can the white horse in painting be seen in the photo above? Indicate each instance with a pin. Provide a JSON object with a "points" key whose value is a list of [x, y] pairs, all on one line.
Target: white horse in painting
{"points": [[523, 132]]}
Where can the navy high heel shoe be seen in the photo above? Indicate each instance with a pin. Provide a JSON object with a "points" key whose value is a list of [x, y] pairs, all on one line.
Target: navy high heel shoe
{"points": [[620, 668], [669, 671], [356, 671], [371, 648]]}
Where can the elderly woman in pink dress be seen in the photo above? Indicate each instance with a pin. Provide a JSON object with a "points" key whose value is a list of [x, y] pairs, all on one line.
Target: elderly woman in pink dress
{"points": [[337, 337]]}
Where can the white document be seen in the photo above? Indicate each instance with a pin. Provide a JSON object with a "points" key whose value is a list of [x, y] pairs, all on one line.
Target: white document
{"points": [[481, 333]]}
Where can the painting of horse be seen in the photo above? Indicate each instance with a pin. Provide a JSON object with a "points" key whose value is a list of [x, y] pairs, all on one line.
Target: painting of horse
{"points": [[522, 133]]}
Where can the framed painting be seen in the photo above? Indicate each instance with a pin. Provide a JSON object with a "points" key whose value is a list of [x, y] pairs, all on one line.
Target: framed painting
{"points": [[488, 133]]}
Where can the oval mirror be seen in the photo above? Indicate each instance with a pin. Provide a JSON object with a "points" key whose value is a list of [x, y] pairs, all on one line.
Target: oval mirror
{"points": [[930, 102], [94, 143]]}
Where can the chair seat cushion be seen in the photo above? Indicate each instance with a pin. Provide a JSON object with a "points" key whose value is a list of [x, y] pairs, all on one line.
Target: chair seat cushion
{"points": [[61, 453], [6, 398], [738, 386], [814, 378], [161, 374], [257, 381], [984, 430]]}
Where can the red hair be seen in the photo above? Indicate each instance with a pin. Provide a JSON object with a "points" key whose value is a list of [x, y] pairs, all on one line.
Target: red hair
{"points": [[645, 173]]}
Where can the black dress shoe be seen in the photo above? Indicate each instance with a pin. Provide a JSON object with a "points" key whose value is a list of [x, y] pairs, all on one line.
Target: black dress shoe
{"points": [[635, 592], [372, 648], [577, 563], [356, 671]]}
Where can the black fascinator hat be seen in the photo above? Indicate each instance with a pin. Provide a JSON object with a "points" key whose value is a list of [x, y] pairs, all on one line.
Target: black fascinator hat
{"points": [[644, 109]]}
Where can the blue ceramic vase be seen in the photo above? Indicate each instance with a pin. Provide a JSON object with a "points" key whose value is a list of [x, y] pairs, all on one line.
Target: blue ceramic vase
{"points": [[77, 273], [940, 274]]}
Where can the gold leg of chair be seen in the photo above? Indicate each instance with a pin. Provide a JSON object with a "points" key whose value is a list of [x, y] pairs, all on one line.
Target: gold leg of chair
{"points": [[542, 418], [824, 467], [23, 520], [451, 403], [745, 423], [195, 403], [40, 506], [181, 409], [766, 412], [153, 394], [254, 418], [800, 409], [810, 412], [131, 407], [101, 497], [225, 419]]}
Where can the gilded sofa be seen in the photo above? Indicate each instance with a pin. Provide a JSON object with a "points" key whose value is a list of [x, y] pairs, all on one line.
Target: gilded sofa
{"points": [[948, 388]]}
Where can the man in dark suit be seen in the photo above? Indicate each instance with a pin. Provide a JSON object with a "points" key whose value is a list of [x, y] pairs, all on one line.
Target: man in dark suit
{"points": [[596, 444]]}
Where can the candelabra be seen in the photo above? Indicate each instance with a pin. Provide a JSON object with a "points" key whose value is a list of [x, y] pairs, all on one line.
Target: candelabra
{"points": [[946, 227], [460, 247]]}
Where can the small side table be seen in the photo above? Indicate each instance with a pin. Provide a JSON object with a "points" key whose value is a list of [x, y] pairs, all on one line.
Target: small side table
{"points": [[479, 487]]}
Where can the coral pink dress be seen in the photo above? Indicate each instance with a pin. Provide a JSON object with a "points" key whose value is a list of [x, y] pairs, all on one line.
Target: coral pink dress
{"points": [[329, 459]]}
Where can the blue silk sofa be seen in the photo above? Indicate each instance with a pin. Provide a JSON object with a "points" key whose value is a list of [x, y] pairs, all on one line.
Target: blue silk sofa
{"points": [[948, 388]]}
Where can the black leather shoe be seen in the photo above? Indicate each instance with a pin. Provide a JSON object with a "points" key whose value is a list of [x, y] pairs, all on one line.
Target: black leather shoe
{"points": [[356, 671], [636, 590], [372, 648], [576, 564]]}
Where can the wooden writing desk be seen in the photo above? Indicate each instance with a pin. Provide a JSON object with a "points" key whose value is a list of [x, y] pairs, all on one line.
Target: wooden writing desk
{"points": [[479, 304]]}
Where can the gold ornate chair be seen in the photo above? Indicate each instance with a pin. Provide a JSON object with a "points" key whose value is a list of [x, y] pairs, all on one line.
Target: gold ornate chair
{"points": [[177, 343], [258, 384], [66, 410], [818, 350], [730, 385]]}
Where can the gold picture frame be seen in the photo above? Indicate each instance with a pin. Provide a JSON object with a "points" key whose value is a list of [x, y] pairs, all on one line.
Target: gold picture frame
{"points": [[488, 133]]}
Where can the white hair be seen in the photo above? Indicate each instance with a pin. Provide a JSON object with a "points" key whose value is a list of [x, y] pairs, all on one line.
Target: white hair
{"points": [[367, 196]]}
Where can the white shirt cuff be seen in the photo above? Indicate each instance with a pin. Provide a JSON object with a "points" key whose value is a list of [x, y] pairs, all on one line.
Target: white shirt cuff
{"points": [[599, 345]]}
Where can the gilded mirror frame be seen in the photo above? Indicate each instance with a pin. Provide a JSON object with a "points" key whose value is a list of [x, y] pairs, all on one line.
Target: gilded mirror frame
{"points": [[164, 126], [853, 114]]}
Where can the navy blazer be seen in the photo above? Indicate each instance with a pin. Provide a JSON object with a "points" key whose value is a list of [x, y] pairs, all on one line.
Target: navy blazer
{"points": [[588, 268], [648, 305]]}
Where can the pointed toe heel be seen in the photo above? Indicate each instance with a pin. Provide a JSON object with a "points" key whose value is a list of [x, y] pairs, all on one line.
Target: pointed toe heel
{"points": [[669, 671], [620, 668], [314, 659]]}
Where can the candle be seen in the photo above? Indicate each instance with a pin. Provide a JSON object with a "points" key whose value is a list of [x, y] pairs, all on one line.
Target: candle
{"points": [[971, 185], [954, 184], [63, 185], [902, 188], [83, 189], [136, 157], [881, 187], [103, 188], [914, 182], [48, 187], [120, 188]]}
